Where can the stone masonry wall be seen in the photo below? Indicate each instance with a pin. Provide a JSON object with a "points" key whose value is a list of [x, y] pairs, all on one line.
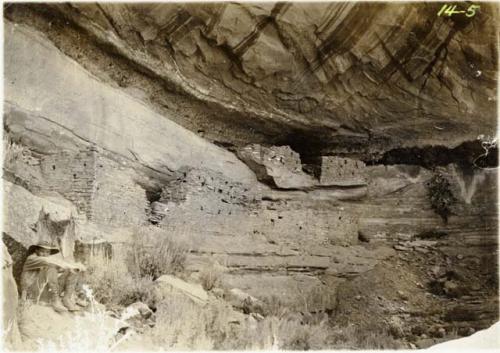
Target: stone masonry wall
{"points": [[203, 202], [73, 176], [102, 190], [341, 171], [117, 199]]}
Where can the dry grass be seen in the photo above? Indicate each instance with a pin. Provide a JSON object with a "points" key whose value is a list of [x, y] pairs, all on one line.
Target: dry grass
{"points": [[274, 306], [183, 325], [352, 337], [121, 281]]}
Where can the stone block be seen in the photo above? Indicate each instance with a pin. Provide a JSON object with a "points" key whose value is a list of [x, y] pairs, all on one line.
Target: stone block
{"points": [[278, 165], [195, 292]]}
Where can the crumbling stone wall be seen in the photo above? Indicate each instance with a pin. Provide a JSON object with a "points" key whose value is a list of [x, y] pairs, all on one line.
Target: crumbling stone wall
{"points": [[195, 183], [73, 176], [206, 192], [100, 188], [203, 202], [342, 171], [117, 199]]}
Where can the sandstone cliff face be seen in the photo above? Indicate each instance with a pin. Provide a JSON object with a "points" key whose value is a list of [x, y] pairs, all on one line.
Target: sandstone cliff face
{"points": [[253, 132], [333, 76]]}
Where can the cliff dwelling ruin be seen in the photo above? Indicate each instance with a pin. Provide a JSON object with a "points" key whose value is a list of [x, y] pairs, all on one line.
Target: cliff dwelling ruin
{"points": [[244, 176]]}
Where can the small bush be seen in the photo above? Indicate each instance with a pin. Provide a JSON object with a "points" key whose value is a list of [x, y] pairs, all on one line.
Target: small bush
{"points": [[114, 286], [141, 290], [296, 335], [440, 196], [210, 278], [109, 280], [154, 257], [274, 333]]}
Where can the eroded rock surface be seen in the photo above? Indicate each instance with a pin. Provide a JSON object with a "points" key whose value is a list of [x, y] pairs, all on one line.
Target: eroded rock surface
{"points": [[42, 328], [324, 77], [11, 336]]}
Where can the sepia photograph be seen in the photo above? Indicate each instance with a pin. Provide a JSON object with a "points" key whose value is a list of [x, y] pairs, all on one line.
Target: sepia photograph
{"points": [[244, 176]]}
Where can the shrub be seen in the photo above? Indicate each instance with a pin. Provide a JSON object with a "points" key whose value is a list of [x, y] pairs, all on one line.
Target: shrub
{"points": [[274, 333], [184, 325], [440, 196], [153, 257], [141, 290], [113, 285], [210, 278], [122, 281], [109, 279], [297, 335]]}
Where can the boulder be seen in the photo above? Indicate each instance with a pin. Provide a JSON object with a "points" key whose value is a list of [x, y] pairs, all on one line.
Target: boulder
{"points": [[243, 301], [137, 310], [172, 285], [277, 165], [12, 337], [23, 211], [139, 316], [18, 254]]}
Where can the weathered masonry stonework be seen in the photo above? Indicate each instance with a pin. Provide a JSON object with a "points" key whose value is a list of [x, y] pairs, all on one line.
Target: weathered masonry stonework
{"points": [[73, 176], [117, 199], [342, 171], [99, 187]]}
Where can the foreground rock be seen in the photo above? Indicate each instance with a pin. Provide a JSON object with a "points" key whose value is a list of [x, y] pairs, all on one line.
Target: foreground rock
{"points": [[42, 328], [11, 335], [170, 284], [23, 212]]}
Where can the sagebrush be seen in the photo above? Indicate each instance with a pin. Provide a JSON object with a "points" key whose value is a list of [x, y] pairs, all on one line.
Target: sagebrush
{"points": [[440, 195], [153, 257]]}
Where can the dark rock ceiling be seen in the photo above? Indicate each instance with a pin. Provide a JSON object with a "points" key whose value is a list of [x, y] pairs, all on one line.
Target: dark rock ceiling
{"points": [[323, 78]]}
